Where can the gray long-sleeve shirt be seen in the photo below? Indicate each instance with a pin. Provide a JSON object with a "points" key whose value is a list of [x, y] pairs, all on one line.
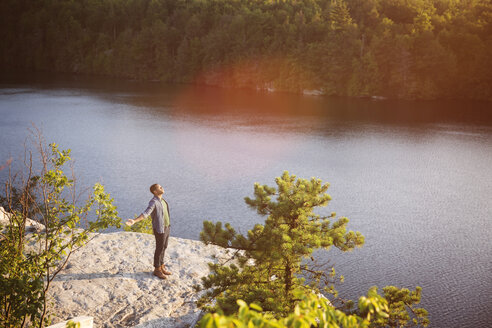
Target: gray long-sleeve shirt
{"points": [[158, 210]]}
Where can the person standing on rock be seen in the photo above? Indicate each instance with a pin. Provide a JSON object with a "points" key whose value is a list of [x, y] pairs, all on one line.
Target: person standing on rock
{"points": [[158, 210]]}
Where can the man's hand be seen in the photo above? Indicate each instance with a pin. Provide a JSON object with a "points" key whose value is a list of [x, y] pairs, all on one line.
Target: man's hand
{"points": [[131, 222]]}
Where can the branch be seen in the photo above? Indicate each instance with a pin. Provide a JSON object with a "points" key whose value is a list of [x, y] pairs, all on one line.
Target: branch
{"points": [[59, 268], [410, 307], [230, 258]]}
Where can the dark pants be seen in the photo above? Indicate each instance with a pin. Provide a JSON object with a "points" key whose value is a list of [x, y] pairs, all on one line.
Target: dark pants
{"points": [[161, 240]]}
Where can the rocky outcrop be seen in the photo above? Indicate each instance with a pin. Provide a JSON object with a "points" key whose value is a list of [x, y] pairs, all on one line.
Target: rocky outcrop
{"points": [[31, 225], [111, 280]]}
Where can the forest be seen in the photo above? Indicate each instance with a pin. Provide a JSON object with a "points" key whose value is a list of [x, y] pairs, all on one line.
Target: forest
{"points": [[408, 49]]}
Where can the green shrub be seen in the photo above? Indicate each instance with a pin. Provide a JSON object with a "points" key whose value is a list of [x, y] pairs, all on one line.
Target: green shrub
{"points": [[29, 262], [144, 226]]}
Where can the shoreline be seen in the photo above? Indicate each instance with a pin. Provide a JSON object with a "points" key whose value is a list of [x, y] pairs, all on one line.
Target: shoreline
{"points": [[266, 88]]}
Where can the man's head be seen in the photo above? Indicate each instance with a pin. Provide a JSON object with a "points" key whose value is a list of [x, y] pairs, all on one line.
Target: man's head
{"points": [[156, 189]]}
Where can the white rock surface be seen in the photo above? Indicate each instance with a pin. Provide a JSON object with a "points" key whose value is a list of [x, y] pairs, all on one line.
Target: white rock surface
{"points": [[30, 224], [111, 280]]}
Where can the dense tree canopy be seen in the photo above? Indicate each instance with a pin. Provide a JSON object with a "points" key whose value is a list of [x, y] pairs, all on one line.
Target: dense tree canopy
{"points": [[396, 48]]}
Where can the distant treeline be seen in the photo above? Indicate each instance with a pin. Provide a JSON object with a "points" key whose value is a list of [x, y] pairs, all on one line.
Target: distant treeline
{"points": [[416, 49]]}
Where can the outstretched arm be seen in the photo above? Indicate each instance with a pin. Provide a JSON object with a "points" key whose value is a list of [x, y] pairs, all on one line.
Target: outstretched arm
{"points": [[131, 222], [144, 214]]}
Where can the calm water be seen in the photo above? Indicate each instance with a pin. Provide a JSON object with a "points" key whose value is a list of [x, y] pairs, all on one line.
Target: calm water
{"points": [[414, 177]]}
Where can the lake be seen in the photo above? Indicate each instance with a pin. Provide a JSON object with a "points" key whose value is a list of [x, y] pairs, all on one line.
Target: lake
{"points": [[414, 178]]}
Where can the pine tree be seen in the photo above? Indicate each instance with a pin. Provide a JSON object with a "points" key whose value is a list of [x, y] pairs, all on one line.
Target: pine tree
{"points": [[273, 260]]}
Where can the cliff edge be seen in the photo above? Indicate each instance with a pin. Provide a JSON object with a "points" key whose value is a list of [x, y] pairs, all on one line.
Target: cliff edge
{"points": [[111, 280]]}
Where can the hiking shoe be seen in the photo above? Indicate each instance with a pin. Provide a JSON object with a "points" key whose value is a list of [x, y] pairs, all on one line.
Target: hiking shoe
{"points": [[158, 273], [163, 270]]}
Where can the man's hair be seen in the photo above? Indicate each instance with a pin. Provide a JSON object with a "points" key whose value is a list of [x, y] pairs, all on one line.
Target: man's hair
{"points": [[153, 187]]}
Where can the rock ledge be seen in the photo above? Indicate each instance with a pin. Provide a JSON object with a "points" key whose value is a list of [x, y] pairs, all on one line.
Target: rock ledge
{"points": [[111, 280]]}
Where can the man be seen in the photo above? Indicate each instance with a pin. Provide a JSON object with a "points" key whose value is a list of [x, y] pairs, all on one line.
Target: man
{"points": [[158, 209]]}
